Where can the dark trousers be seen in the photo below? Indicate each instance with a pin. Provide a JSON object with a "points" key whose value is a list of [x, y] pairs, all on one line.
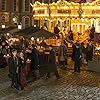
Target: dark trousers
{"points": [[89, 56], [15, 81], [77, 66], [62, 63], [56, 74]]}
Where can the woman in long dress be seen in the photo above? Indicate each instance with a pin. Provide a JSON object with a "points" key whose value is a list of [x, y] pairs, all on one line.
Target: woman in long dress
{"points": [[22, 73]]}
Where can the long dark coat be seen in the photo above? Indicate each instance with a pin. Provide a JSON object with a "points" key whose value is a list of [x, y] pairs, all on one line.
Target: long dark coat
{"points": [[73, 53], [2, 60], [34, 59], [77, 55], [52, 62], [13, 68], [89, 52], [92, 31], [77, 59]]}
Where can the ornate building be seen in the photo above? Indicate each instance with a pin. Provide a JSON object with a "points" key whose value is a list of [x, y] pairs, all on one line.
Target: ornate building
{"points": [[13, 12], [68, 15]]}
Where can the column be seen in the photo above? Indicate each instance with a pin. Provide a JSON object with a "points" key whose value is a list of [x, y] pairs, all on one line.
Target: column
{"points": [[97, 27], [49, 25], [78, 28]]}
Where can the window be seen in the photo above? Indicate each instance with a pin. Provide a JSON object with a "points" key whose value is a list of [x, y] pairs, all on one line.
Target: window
{"points": [[27, 5], [37, 23], [52, 1], [3, 19], [56, 0], [33, 1], [42, 1], [15, 5], [46, 1], [3, 4], [27, 22]]}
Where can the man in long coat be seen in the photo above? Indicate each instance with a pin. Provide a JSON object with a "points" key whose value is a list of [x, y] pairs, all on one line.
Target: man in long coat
{"points": [[35, 62], [52, 63], [89, 52], [92, 31], [62, 54], [2, 59], [77, 57], [13, 69]]}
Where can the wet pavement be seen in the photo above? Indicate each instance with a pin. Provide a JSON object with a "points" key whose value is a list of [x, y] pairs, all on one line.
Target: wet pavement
{"points": [[70, 86]]}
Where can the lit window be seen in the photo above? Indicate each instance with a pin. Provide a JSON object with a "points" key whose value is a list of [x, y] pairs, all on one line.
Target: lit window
{"points": [[3, 4]]}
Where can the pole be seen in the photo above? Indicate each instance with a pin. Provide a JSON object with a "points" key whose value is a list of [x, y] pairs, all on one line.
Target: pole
{"points": [[69, 18], [49, 13], [80, 11]]}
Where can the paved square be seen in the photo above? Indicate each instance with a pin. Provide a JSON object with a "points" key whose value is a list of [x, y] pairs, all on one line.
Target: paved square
{"points": [[83, 86]]}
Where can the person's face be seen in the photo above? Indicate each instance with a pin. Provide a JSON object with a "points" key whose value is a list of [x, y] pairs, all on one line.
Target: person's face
{"points": [[77, 42], [50, 48], [21, 54], [6, 47], [3, 43], [90, 43], [15, 53], [62, 43], [0, 47]]}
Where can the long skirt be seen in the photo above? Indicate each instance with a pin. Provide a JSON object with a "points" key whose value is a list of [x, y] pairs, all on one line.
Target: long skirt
{"points": [[22, 77]]}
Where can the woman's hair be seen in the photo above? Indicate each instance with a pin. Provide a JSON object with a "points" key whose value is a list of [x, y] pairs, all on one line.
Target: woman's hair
{"points": [[13, 50], [51, 46]]}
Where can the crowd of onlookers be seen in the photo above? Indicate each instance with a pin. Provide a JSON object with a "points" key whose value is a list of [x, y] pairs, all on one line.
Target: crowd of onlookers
{"points": [[25, 62]]}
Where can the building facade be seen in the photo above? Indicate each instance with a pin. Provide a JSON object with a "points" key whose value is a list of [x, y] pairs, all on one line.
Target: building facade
{"points": [[46, 1], [68, 15], [13, 12]]}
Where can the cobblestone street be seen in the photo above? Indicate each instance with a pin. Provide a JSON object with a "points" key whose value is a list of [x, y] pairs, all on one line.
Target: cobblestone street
{"points": [[83, 86]]}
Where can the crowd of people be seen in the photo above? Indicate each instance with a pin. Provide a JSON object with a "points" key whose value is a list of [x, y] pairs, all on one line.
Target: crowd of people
{"points": [[26, 62]]}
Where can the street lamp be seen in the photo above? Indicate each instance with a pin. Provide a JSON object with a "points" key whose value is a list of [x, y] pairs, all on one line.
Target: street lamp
{"points": [[8, 34], [34, 25], [3, 26], [19, 26], [37, 39], [32, 38], [14, 19]]}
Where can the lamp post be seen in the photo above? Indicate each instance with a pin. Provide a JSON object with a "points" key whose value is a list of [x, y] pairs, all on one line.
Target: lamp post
{"points": [[49, 16], [14, 19], [19, 26], [3, 26], [70, 18], [49, 11]]}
